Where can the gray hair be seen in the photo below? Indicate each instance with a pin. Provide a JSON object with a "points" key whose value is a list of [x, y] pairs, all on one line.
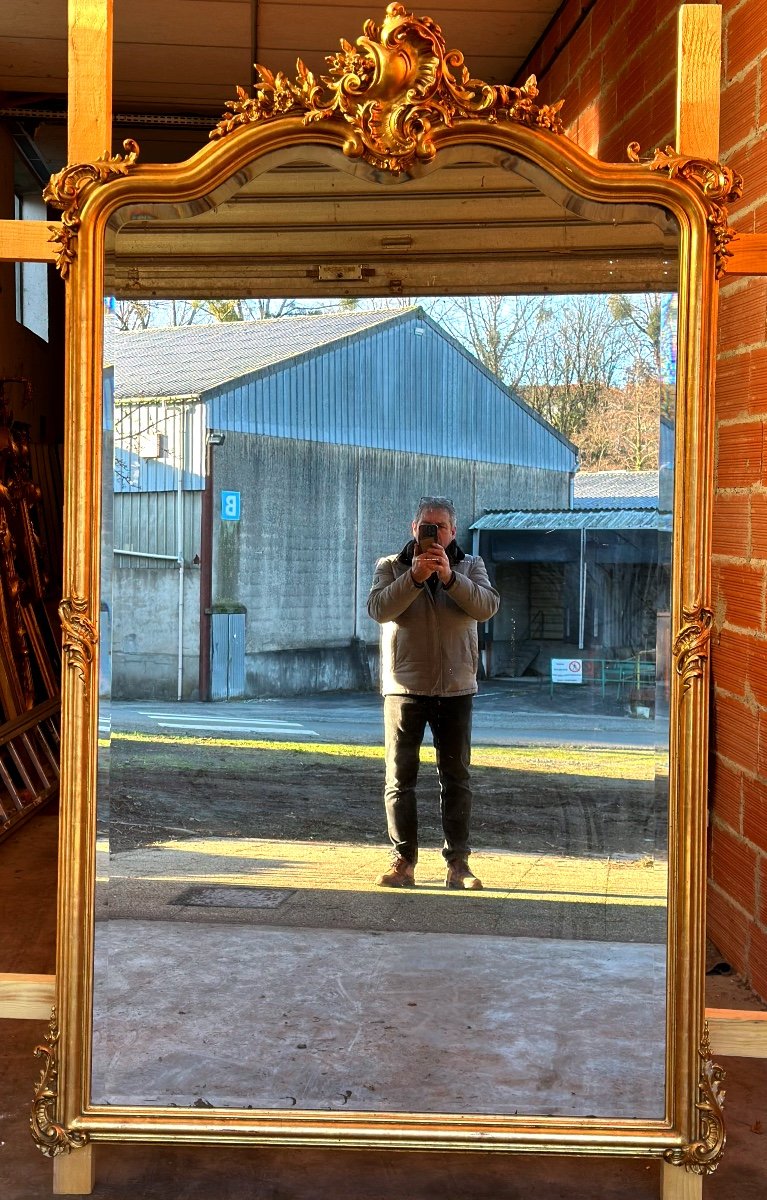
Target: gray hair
{"points": [[427, 502]]}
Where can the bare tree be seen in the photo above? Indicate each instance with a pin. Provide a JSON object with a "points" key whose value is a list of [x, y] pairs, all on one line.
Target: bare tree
{"points": [[576, 356], [621, 431], [640, 319], [500, 330], [132, 315]]}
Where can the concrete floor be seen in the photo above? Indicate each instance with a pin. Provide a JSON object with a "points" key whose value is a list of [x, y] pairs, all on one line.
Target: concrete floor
{"points": [[338, 982], [27, 874]]}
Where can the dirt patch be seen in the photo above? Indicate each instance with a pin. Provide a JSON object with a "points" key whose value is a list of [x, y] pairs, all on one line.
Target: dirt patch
{"points": [[561, 802]]}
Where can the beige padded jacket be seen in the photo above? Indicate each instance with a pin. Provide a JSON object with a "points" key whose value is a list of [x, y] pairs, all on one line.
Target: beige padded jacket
{"points": [[429, 641]]}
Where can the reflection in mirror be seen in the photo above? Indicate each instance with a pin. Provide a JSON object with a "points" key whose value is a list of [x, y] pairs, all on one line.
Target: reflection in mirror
{"points": [[257, 470]]}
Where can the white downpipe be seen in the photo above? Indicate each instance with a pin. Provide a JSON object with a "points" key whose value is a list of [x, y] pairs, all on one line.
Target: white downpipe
{"points": [[582, 595], [180, 457]]}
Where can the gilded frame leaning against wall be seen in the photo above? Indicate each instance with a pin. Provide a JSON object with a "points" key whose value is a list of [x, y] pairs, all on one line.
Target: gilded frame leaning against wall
{"points": [[396, 100]]}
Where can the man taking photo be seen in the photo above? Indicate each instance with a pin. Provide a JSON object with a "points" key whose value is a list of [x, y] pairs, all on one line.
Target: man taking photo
{"points": [[428, 600]]}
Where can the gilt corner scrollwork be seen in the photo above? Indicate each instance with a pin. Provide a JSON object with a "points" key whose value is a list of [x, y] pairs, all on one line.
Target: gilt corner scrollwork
{"points": [[703, 1156], [720, 186], [392, 87], [50, 1137], [692, 642], [66, 191], [79, 634]]}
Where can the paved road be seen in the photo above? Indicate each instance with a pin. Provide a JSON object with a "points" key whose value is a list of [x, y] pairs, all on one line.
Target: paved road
{"points": [[503, 716]]}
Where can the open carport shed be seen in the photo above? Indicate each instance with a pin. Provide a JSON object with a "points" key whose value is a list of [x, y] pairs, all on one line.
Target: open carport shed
{"points": [[582, 580]]}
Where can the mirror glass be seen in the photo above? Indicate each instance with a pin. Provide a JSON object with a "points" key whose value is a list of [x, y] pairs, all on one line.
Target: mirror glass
{"points": [[262, 451]]}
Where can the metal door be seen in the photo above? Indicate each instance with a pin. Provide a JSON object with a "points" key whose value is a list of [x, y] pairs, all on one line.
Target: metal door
{"points": [[227, 656]]}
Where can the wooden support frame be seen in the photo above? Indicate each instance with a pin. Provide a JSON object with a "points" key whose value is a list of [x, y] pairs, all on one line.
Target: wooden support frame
{"points": [[698, 94], [27, 997], [748, 255], [28, 241], [89, 79], [738, 1033]]}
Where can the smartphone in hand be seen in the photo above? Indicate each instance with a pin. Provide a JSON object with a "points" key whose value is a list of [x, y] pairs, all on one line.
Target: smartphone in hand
{"points": [[427, 536]]}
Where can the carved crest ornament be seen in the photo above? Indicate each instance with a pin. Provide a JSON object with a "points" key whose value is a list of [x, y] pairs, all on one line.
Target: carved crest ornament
{"points": [[392, 87]]}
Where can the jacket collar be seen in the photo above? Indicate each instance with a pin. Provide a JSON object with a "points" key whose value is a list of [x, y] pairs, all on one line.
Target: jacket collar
{"points": [[453, 552]]}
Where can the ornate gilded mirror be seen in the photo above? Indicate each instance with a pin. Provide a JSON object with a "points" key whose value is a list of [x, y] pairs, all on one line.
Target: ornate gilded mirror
{"points": [[562, 1007]]}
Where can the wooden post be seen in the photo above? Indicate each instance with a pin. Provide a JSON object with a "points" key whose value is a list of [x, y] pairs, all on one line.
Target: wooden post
{"points": [[698, 90], [89, 130], [27, 241], [738, 1032], [89, 136], [749, 255], [678, 1184], [27, 997], [74, 1173]]}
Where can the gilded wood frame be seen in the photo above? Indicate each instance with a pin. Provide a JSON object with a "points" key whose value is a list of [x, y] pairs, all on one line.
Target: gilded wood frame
{"points": [[396, 103]]}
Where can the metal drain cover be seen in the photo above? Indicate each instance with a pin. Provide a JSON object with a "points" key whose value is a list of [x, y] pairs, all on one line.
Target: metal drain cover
{"points": [[233, 897]]}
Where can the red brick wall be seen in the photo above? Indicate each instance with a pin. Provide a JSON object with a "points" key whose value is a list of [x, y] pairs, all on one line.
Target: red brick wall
{"points": [[738, 890], [616, 70], [614, 63]]}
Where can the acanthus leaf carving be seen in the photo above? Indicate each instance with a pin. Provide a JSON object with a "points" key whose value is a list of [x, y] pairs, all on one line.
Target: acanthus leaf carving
{"points": [[392, 87], [692, 642], [719, 184], [703, 1156], [66, 190], [51, 1138], [80, 635]]}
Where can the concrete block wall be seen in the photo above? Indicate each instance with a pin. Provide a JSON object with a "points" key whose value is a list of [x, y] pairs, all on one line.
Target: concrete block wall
{"points": [[315, 518], [613, 96]]}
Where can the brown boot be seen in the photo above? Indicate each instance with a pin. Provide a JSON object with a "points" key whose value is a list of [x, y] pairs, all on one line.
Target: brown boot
{"points": [[459, 876], [400, 874]]}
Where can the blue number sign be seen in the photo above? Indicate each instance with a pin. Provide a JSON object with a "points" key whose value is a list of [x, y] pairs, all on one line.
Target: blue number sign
{"points": [[230, 506]]}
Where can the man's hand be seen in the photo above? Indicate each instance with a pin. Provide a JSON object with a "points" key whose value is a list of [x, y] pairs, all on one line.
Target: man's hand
{"points": [[434, 560]]}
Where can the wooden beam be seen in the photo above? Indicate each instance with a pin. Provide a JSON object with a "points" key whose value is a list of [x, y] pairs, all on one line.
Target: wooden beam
{"points": [[27, 241], [749, 254], [27, 997], [738, 1032], [74, 1173], [89, 133], [678, 1184], [699, 59]]}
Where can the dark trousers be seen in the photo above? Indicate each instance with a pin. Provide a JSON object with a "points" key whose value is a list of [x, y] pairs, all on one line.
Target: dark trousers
{"points": [[405, 721]]}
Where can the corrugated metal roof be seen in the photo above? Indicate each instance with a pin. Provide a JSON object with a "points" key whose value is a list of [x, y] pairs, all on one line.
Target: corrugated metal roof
{"points": [[606, 519], [616, 489], [189, 360], [362, 379]]}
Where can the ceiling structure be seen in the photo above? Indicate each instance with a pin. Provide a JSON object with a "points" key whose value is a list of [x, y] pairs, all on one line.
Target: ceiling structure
{"points": [[183, 59], [178, 62]]}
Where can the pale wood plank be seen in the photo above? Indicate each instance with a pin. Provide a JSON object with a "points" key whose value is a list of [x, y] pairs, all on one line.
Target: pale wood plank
{"points": [[27, 997], [678, 1184], [699, 58], [27, 241], [184, 23], [749, 254], [303, 29], [738, 1032], [225, 66], [31, 60], [74, 1174], [89, 129]]}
